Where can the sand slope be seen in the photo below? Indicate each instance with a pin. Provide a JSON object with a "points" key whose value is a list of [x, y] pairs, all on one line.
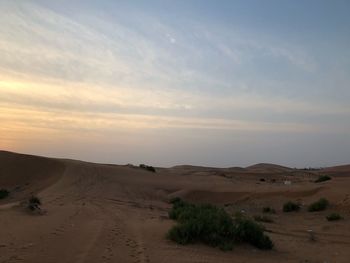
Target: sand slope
{"points": [[111, 213]]}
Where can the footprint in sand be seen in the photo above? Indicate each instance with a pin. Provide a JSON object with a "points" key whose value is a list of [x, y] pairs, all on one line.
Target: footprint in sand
{"points": [[137, 251], [112, 239]]}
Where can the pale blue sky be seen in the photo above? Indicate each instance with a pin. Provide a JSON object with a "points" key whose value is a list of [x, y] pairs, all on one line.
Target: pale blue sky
{"points": [[219, 83]]}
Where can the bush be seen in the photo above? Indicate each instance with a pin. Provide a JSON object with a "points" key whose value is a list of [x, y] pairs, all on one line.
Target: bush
{"points": [[323, 178], [213, 226], [4, 193], [34, 203], [247, 230], [290, 207], [148, 168], [319, 205], [204, 223], [264, 219], [334, 217], [175, 200], [268, 210]]}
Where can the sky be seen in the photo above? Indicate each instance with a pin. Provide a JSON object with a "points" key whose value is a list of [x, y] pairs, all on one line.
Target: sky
{"points": [[214, 83]]}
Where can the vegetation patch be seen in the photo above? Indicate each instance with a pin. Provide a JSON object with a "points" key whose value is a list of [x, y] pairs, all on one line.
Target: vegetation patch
{"points": [[264, 219], [213, 226], [246, 230], [323, 178], [268, 210], [319, 205], [148, 168], [34, 204], [334, 217], [4, 193], [291, 207]]}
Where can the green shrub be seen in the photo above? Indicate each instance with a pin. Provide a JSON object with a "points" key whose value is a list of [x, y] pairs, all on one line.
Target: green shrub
{"points": [[268, 210], [334, 217], [175, 200], [213, 226], [180, 235], [319, 205], [323, 178], [4, 193], [247, 230], [264, 219], [34, 203], [291, 206]]}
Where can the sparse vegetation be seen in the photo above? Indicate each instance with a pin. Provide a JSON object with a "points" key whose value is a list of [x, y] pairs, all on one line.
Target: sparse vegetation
{"points": [[246, 230], [291, 207], [323, 178], [265, 219], [148, 168], [268, 210], [319, 205], [214, 226], [334, 217], [4, 193], [310, 169], [34, 203]]}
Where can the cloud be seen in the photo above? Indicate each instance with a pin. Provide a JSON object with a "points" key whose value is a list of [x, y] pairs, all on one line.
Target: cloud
{"points": [[153, 73], [39, 41], [79, 108]]}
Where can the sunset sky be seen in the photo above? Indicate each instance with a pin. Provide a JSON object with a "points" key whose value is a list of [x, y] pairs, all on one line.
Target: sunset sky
{"points": [[215, 83]]}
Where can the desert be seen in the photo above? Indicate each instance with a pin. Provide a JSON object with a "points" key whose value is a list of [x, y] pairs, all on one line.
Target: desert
{"points": [[119, 213], [182, 131]]}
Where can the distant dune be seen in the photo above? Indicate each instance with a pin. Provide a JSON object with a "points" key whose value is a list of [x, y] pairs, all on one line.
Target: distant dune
{"points": [[119, 213], [268, 167], [342, 170]]}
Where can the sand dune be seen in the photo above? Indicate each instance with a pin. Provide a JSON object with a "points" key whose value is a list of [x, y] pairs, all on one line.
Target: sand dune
{"points": [[342, 170], [115, 213], [267, 167], [25, 174]]}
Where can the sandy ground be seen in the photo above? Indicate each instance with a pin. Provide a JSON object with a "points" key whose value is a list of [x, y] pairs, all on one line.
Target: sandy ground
{"points": [[110, 213]]}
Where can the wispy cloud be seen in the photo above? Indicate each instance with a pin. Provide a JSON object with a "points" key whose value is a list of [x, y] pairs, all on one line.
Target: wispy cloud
{"points": [[41, 42]]}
